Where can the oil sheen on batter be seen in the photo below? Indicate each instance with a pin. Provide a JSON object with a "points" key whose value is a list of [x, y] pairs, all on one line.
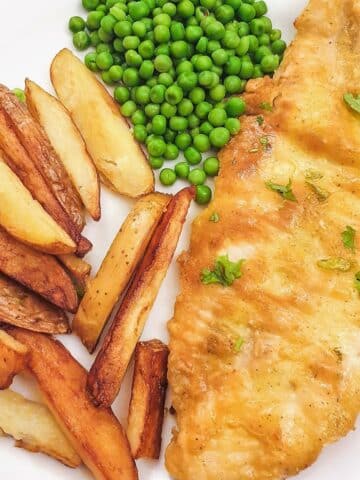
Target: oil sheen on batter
{"points": [[266, 372]]}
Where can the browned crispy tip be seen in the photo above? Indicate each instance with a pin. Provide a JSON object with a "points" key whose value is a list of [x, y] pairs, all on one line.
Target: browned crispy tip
{"points": [[13, 359], [37, 271], [146, 410], [95, 433], [111, 363], [20, 308]]}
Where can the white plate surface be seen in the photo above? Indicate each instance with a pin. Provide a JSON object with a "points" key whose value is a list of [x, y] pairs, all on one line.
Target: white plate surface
{"points": [[31, 33]]}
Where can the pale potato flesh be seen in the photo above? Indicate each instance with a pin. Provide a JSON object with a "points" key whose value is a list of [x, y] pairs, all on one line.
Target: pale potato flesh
{"points": [[25, 219], [13, 359], [68, 144], [34, 428], [117, 268], [117, 156]]}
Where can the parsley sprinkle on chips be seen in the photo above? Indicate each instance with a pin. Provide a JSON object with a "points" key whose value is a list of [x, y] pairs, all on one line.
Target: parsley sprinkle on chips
{"points": [[284, 190], [266, 106], [264, 142], [335, 263], [239, 342], [260, 120], [224, 272], [352, 101], [348, 238], [320, 192]]}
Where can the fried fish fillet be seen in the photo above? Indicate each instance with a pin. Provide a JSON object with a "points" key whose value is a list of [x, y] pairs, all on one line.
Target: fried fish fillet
{"points": [[266, 372]]}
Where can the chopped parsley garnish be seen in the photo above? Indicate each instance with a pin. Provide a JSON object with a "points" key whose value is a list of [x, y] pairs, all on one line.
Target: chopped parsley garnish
{"points": [[352, 101], [260, 119], [239, 342], [264, 141], [338, 353], [312, 175], [284, 190], [335, 263], [320, 192], [266, 106], [357, 281], [214, 217], [348, 238], [224, 272]]}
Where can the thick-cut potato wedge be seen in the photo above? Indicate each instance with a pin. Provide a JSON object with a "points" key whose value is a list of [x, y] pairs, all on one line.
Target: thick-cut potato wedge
{"points": [[78, 269], [20, 308], [37, 271], [68, 144], [16, 157], [146, 410], [117, 268], [13, 359], [25, 219], [34, 428], [42, 154], [111, 363], [95, 433], [117, 156]]}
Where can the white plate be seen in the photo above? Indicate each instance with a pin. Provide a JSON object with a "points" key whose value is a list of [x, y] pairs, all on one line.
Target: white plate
{"points": [[31, 34]]}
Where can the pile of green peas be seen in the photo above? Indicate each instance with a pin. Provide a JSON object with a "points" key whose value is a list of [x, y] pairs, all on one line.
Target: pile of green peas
{"points": [[177, 67]]}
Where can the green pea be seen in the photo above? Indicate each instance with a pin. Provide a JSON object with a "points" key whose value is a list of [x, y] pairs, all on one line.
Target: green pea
{"points": [[76, 24], [243, 29], [151, 82], [182, 170], [171, 152], [212, 46], [178, 124], [156, 147], [246, 12], [185, 9], [253, 44], [233, 125], [156, 162], [161, 33], [215, 30], [81, 40], [187, 81], [142, 95], [152, 109], [103, 47], [138, 10], [121, 94], [118, 13], [94, 39], [197, 95], [157, 93], [235, 107], [206, 79], [90, 4], [275, 35], [90, 62], [197, 176], [130, 77], [104, 60], [193, 121], [201, 142], [116, 73], [177, 31], [258, 73], [162, 63], [193, 33], [192, 155], [278, 47], [169, 8], [132, 58], [219, 137], [140, 133], [128, 108], [202, 45], [138, 118], [203, 62], [185, 107], [139, 29], [108, 23], [233, 84], [179, 49], [217, 117], [267, 24], [225, 13], [167, 177], [170, 135], [231, 40], [159, 125], [208, 4], [19, 94], [162, 19], [168, 110], [220, 56], [146, 69], [206, 128], [203, 194], [123, 29], [174, 95], [269, 63], [131, 42], [260, 8], [146, 49], [183, 141], [105, 36], [165, 79], [211, 166], [202, 109], [194, 132]]}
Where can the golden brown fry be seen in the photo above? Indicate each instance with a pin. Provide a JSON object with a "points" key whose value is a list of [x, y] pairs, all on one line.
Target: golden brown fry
{"points": [[37, 271], [16, 157], [25, 219], [13, 359], [20, 308], [68, 144], [77, 268], [117, 268], [109, 368], [146, 410], [95, 433], [42, 154], [34, 428], [117, 156]]}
